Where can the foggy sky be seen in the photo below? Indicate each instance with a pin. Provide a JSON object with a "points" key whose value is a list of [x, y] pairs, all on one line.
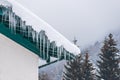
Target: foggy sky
{"points": [[87, 20]]}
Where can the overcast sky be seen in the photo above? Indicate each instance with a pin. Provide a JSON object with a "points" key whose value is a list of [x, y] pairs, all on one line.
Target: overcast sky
{"points": [[87, 20]]}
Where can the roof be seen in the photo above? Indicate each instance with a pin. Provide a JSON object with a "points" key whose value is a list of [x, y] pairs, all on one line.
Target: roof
{"points": [[38, 24]]}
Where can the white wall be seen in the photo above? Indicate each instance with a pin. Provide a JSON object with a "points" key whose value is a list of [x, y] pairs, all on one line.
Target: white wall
{"points": [[16, 62]]}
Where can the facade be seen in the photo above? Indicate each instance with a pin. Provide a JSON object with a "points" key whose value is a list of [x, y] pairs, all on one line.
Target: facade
{"points": [[17, 62], [24, 40]]}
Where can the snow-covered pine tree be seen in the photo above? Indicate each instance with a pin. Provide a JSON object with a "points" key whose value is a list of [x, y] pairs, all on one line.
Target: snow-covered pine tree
{"points": [[88, 69], [108, 65], [73, 69]]}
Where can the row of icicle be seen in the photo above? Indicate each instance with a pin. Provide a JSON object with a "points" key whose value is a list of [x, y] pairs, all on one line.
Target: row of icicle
{"points": [[16, 25]]}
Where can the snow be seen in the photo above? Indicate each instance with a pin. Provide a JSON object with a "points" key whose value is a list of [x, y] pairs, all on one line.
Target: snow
{"points": [[53, 59], [5, 3], [38, 24], [42, 62], [54, 71]]}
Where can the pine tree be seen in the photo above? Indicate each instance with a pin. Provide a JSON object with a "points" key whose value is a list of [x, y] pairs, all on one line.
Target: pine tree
{"points": [[73, 69], [88, 69], [108, 65], [79, 69]]}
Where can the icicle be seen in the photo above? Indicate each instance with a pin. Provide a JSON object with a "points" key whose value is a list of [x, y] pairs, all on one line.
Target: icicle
{"points": [[2, 17], [69, 55], [9, 18], [43, 46], [21, 27], [36, 38], [48, 45], [10, 21], [24, 28], [53, 48], [33, 35], [40, 43], [64, 53], [29, 32], [37, 42], [58, 53], [14, 23], [6, 15]]}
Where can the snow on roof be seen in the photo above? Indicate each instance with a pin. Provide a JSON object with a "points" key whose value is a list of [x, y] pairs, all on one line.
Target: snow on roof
{"points": [[5, 3], [38, 24]]}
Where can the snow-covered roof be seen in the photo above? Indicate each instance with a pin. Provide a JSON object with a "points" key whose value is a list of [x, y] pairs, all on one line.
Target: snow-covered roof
{"points": [[38, 24], [5, 3]]}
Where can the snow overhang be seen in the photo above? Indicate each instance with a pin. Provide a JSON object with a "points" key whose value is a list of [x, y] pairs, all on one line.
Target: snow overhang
{"points": [[38, 24]]}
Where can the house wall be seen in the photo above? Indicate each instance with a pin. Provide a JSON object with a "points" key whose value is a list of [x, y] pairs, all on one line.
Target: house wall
{"points": [[16, 62]]}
